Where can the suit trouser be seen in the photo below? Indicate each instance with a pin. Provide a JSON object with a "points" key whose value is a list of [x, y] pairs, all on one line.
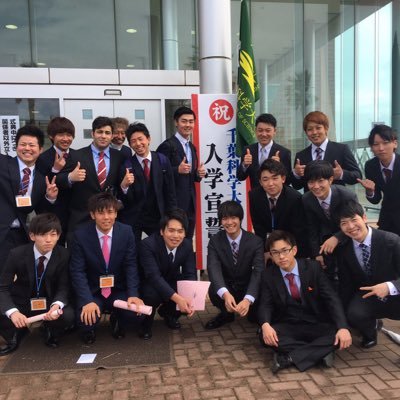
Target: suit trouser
{"points": [[363, 313], [124, 317], [152, 298], [56, 327], [306, 343], [238, 296]]}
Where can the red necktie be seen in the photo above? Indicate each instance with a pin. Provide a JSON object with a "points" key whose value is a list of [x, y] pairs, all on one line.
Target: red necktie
{"points": [[146, 169], [25, 181], [294, 290], [105, 292], [65, 155], [101, 170]]}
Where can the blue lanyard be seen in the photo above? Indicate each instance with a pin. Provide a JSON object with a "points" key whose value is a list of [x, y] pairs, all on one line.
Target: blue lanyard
{"points": [[38, 281]]}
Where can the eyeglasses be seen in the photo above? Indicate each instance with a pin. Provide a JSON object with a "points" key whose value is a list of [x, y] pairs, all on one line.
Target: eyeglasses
{"points": [[283, 252]]}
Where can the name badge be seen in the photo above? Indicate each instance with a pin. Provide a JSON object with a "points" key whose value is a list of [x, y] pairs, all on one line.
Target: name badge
{"points": [[39, 304], [23, 201], [106, 281]]}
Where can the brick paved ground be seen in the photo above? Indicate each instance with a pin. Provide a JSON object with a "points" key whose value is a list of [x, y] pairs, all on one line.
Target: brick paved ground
{"points": [[225, 364]]}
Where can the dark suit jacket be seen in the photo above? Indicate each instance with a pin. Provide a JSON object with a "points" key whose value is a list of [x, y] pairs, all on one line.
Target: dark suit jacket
{"points": [[126, 151], [289, 215], [159, 272], [81, 191], [316, 291], [245, 275], [334, 151], [87, 262], [252, 170], [319, 227], [389, 217], [10, 181], [162, 180], [184, 183], [384, 261], [21, 263], [45, 164]]}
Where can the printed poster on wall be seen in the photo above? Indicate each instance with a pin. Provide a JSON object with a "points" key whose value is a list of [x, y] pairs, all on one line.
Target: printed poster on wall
{"points": [[215, 138], [9, 127]]}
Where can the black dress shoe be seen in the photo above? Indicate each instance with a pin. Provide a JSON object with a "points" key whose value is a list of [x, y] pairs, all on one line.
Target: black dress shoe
{"points": [[219, 320], [146, 334], [280, 361], [116, 331], [379, 324], [368, 343], [89, 337], [50, 340], [14, 342], [172, 322], [328, 360]]}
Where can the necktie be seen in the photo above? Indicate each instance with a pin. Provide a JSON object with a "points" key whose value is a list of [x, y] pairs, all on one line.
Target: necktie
{"points": [[101, 170], [318, 152], [235, 252], [105, 292], [188, 153], [272, 203], [366, 254], [146, 169], [263, 155], [325, 208], [388, 174], [294, 290], [65, 155], [25, 181], [171, 257], [40, 266]]}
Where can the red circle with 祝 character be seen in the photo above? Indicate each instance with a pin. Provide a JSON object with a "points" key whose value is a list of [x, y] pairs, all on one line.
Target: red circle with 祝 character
{"points": [[221, 111]]}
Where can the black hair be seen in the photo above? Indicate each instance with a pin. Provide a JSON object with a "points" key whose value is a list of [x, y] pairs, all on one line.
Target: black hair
{"points": [[230, 208], [384, 131], [277, 235], [318, 169], [99, 122], [136, 127], [60, 125], [44, 223], [266, 119], [272, 166], [182, 111], [177, 214], [103, 201], [30, 130], [348, 210]]}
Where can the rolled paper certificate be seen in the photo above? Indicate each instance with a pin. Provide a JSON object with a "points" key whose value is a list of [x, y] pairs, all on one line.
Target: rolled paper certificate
{"points": [[124, 305], [40, 317]]}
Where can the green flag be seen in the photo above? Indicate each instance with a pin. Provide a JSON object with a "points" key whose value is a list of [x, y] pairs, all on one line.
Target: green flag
{"points": [[248, 90]]}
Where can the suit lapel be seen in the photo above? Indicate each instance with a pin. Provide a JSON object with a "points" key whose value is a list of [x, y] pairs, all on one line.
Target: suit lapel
{"points": [[155, 175], [37, 186], [375, 246], [91, 172], [279, 284], [254, 153], [93, 242], [138, 173], [51, 266], [179, 147], [30, 266], [14, 174]]}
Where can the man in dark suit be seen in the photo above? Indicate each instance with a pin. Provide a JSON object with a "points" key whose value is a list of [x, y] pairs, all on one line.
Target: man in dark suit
{"points": [[23, 189], [35, 280], [235, 260], [165, 258], [103, 268], [183, 158], [369, 273], [274, 205], [320, 204], [120, 125], [254, 155], [149, 188], [382, 177], [90, 170], [61, 132], [345, 168], [300, 314]]}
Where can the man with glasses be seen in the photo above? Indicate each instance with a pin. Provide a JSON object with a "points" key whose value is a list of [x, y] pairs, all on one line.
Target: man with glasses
{"points": [[300, 314], [382, 175], [235, 260]]}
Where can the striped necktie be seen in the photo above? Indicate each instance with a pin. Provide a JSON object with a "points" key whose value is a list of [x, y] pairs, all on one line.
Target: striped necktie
{"points": [[101, 170]]}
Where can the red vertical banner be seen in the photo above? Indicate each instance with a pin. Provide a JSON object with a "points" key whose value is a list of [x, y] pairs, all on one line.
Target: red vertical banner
{"points": [[215, 138]]}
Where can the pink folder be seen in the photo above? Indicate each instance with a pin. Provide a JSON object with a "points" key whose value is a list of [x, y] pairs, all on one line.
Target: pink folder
{"points": [[195, 291]]}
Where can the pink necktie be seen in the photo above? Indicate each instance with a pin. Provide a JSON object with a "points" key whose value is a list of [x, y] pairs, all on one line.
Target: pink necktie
{"points": [[105, 292]]}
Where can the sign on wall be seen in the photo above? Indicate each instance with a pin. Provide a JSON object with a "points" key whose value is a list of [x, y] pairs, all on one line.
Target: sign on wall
{"points": [[9, 127], [215, 138]]}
